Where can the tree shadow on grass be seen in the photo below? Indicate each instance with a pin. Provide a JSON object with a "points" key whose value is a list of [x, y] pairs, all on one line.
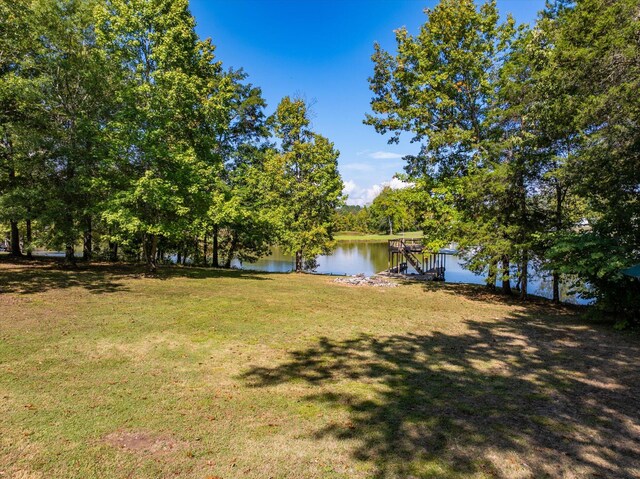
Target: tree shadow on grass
{"points": [[37, 276], [169, 272], [482, 294], [518, 397], [31, 278]]}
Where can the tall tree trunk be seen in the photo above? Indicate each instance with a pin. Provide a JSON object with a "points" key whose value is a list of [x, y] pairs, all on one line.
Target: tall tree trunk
{"points": [[506, 282], [524, 275], [524, 226], [160, 250], [145, 248], [29, 237], [214, 248], [87, 248], [232, 250], [70, 238], [69, 254], [493, 273], [15, 232], [196, 252], [556, 287], [299, 265], [179, 258], [556, 275], [15, 239], [204, 256], [152, 260]]}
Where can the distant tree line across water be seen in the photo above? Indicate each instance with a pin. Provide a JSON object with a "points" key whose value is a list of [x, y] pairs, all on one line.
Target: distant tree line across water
{"points": [[121, 131], [392, 211]]}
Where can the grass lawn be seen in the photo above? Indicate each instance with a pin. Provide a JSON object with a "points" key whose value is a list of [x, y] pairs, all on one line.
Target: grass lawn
{"points": [[106, 373], [356, 236]]}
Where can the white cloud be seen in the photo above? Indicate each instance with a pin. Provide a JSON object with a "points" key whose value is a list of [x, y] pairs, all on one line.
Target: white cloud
{"points": [[385, 155], [349, 187], [365, 196], [397, 184], [370, 194], [380, 155]]}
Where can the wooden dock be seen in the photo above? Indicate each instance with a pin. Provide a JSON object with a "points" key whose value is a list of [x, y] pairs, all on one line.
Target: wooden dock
{"points": [[411, 251]]}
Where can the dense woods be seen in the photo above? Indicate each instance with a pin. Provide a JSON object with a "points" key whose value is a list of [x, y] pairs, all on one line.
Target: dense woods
{"points": [[121, 132], [530, 140]]}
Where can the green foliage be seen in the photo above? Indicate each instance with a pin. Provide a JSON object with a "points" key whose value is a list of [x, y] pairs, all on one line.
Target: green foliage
{"points": [[441, 87], [393, 210], [529, 138], [20, 114], [592, 64], [169, 110], [119, 123], [353, 218], [304, 182], [599, 260], [76, 94]]}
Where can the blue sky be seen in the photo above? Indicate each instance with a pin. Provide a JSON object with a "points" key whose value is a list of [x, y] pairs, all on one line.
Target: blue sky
{"points": [[321, 50]]}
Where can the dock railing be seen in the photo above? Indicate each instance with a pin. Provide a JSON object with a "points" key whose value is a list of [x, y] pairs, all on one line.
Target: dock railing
{"points": [[411, 244], [412, 250]]}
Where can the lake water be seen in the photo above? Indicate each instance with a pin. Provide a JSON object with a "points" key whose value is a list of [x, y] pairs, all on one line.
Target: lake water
{"points": [[353, 257]]}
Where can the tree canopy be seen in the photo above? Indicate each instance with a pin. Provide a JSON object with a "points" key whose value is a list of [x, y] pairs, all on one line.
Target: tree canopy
{"points": [[121, 131], [529, 139], [305, 183]]}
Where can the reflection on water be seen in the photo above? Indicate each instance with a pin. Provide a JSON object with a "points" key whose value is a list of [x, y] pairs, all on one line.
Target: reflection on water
{"points": [[353, 257]]}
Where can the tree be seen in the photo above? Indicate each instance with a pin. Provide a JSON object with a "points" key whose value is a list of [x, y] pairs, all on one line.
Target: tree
{"points": [[170, 112], [77, 106], [305, 183], [441, 88], [20, 100], [593, 64], [243, 216], [392, 209], [552, 131], [353, 218], [238, 213]]}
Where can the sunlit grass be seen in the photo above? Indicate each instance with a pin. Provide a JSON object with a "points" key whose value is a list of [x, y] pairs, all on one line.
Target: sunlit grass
{"points": [[105, 372]]}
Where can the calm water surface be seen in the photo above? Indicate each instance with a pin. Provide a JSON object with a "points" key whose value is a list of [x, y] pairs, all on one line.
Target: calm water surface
{"points": [[353, 257]]}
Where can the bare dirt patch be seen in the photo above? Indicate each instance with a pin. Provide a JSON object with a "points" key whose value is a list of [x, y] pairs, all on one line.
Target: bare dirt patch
{"points": [[143, 442]]}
